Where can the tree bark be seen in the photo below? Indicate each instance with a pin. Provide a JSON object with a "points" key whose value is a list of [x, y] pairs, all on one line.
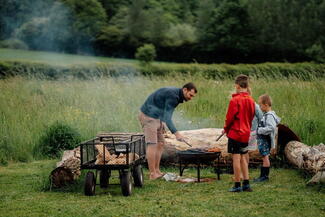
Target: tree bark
{"points": [[309, 158], [68, 169]]}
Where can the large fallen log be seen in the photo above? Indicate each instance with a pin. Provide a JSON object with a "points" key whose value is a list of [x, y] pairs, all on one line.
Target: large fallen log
{"points": [[309, 158], [202, 139]]}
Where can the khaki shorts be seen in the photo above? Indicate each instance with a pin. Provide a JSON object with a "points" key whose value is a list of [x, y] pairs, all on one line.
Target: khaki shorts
{"points": [[153, 129]]}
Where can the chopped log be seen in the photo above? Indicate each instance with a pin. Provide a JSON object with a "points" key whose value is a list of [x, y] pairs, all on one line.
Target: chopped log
{"points": [[112, 159], [68, 169], [309, 158]]}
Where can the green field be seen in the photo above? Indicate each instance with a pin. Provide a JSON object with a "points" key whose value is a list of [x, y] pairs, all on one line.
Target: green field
{"points": [[24, 192], [53, 58], [29, 106]]}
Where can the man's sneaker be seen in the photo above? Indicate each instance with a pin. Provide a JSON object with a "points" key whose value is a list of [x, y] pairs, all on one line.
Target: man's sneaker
{"points": [[262, 179], [247, 188], [234, 189]]}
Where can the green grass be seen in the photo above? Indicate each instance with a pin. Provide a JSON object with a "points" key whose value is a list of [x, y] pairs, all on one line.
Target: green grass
{"points": [[29, 106], [58, 65], [22, 193], [53, 58]]}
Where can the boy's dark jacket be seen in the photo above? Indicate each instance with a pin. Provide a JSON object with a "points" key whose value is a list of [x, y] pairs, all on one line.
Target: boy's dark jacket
{"points": [[239, 117]]}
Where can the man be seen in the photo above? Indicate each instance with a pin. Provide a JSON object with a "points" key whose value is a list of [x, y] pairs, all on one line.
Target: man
{"points": [[156, 111]]}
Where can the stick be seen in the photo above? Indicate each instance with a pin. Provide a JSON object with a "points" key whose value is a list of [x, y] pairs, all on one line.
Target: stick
{"points": [[220, 137]]}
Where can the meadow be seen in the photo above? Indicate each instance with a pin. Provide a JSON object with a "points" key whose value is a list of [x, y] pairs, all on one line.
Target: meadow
{"points": [[29, 106]]}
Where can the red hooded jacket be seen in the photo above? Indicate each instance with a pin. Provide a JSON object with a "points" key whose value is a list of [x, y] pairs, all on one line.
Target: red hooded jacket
{"points": [[239, 117]]}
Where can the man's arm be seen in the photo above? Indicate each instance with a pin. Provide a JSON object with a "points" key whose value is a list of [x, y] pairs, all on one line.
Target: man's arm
{"points": [[170, 106]]}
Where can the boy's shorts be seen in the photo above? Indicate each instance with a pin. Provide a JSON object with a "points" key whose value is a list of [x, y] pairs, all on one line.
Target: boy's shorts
{"points": [[264, 144], [235, 147], [153, 129]]}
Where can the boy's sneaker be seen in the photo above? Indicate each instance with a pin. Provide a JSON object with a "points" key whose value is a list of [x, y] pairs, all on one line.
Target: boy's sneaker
{"points": [[234, 189], [262, 179], [247, 188]]}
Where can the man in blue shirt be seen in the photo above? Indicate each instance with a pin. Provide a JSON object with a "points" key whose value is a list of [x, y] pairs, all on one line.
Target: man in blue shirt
{"points": [[156, 111]]}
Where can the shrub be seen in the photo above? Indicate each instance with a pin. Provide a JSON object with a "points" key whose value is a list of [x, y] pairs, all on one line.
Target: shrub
{"points": [[14, 44], [316, 52], [58, 137], [146, 53]]}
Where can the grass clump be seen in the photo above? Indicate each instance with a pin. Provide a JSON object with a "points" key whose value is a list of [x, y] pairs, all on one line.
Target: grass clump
{"points": [[58, 137]]}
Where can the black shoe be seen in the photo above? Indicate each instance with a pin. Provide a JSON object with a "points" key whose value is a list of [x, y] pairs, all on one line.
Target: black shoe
{"points": [[261, 179], [234, 189], [247, 188]]}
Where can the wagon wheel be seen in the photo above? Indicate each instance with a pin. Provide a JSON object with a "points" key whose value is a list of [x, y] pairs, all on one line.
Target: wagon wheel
{"points": [[90, 184], [137, 174], [104, 178], [126, 183]]}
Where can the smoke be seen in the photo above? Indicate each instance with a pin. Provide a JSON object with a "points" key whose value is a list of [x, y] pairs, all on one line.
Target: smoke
{"points": [[182, 122], [48, 25]]}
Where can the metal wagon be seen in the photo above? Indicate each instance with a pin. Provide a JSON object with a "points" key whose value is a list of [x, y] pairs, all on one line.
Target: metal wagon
{"points": [[124, 152]]}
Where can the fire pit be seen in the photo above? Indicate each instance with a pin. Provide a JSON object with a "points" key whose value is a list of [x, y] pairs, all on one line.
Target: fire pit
{"points": [[198, 157]]}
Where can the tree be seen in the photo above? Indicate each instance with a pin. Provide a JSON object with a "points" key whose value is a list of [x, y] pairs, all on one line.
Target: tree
{"points": [[146, 53], [138, 25], [88, 18], [227, 29], [112, 7], [180, 34], [47, 33]]}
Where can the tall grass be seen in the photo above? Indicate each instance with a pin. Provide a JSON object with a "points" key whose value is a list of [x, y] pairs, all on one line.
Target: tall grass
{"points": [[28, 106]]}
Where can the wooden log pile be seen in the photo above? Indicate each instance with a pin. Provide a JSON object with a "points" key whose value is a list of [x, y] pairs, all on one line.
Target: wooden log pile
{"points": [[112, 159]]}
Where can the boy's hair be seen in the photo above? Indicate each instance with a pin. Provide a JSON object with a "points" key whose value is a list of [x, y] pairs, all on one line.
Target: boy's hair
{"points": [[266, 99], [242, 81], [189, 86]]}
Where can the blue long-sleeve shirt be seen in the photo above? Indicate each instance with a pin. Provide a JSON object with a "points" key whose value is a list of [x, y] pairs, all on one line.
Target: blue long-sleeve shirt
{"points": [[162, 103]]}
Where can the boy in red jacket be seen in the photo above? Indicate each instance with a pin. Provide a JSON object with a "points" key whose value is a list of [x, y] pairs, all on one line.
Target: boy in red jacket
{"points": [[238, 124]]}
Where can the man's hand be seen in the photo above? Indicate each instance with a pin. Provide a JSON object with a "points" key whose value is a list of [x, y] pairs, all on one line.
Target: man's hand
{"points": [[179, 137]]}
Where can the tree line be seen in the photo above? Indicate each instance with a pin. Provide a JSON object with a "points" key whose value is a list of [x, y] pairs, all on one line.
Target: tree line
{"points": [[207, 31]]}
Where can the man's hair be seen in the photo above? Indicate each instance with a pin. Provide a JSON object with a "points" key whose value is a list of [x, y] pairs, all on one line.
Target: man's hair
{"points": [[266, 99], [242, 81], [190, 86]]}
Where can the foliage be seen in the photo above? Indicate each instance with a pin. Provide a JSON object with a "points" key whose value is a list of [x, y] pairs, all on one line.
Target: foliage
{"points": [[146, 54], [13, 43], [57, 138], [180, 34], [208, 31], [316, 52], [228, 28]]}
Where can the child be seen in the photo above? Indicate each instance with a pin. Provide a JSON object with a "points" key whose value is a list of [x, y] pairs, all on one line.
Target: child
{"points": [[252, 143], [238, 124], [266, 134]]}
